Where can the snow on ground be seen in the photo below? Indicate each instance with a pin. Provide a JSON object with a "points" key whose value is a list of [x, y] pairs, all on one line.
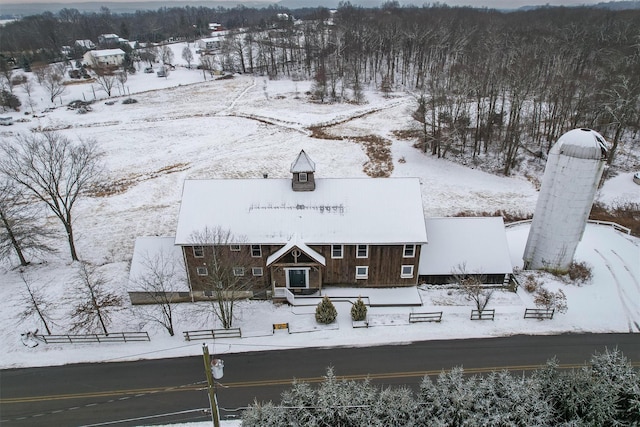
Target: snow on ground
{"points": [[185, 127]]}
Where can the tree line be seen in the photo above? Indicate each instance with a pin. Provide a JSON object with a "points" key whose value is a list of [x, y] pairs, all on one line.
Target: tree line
{"points": [[486, 83], [604, 392]]}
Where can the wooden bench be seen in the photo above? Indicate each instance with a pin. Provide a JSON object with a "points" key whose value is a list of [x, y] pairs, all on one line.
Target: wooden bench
{"points": [[539, 313], [486, 314], [435, 316], [213, 334]]}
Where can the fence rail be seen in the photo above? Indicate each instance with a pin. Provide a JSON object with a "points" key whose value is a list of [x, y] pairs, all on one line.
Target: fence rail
{"points": [[486, 314], [616, 226], [93, 338], [539, 313], [213, 334], [435, 316]]}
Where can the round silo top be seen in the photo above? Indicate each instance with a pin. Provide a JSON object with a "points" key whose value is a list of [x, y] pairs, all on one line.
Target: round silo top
{"points": [[581, 143]]}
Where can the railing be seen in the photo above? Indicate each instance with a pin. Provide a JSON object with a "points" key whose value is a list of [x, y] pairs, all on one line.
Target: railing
{"points": [[213, 334], [93, 338], [616, 226], [486, 314], [539, 313], [435, 316]]}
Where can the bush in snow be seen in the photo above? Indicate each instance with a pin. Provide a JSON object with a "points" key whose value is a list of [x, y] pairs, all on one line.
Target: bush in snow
{"points": [[551, 300], [358, 311], [326, 312], [531, 284], [580, 272]]}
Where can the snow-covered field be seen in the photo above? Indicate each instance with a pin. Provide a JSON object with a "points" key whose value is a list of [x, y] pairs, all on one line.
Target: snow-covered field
{"points": [[185, 127]]}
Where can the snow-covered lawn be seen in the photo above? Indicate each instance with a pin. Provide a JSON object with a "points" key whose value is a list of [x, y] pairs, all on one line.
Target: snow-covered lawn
{"points": [[185, 127]]}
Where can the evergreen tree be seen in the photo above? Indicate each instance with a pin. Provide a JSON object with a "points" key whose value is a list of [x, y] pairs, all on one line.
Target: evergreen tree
{"points": [[326, 312], [358, 311]]}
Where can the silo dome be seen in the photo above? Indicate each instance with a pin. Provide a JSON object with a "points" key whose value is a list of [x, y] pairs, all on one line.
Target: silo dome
{"points": [[571, 177], [582, 144]]}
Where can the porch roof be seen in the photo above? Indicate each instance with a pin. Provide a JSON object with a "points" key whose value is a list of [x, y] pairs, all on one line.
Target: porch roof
{"points": [[294, 243]]}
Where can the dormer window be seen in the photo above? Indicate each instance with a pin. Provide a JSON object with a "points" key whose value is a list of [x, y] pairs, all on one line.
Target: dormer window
{"points": [[302, 177]]}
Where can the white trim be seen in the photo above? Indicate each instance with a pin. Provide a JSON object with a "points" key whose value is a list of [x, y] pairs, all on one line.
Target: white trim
{"points": [[302, 177], [366, 272], [257, 271], [306, 278], [259, 251], [202, 271], [194, 251], [238, 271], [408, 275], [341, 252], [366, 251], [413, 252], [234, 248]]}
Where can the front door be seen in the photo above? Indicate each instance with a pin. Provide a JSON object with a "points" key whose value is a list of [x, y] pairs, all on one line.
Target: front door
{"points": [[298, 278]]}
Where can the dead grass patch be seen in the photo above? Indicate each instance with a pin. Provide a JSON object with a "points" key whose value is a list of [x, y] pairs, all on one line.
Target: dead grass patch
{"points": [[626, 214], [506, 216], [121, 185]]}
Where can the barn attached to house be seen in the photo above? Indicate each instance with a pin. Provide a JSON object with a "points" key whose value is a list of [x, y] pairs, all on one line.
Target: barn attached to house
{"points": [[304, 232], [473, 245]]}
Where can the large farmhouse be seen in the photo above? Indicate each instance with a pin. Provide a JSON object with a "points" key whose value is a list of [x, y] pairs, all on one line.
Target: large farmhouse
{"points": [[297, 235], [306, 232]]}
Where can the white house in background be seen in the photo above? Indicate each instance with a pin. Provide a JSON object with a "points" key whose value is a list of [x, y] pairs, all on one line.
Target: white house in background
{"points": [[109, 39], [477, 243], [85, 44], [210, 43], [113, 57]]}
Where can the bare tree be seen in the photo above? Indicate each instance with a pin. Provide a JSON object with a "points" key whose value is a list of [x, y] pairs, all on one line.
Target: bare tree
{"points": [[54, 170], [20, 230], [551, 300], [105, 76], [149, 54], [27, 87], [122, 77], [166, 54], [187, 55], [472, 286], [226, 277], [92, 304], [35, 304], [159, 280], [53, 83]]}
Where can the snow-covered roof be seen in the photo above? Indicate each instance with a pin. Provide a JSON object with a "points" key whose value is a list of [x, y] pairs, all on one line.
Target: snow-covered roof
{"points": [[480, 243], [303, 163], [107, 52], [295, 243], [338, 211], [149, 249]]}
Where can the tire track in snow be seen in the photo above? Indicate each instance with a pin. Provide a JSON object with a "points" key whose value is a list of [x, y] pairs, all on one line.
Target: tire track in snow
{"points": [[623, 294]]}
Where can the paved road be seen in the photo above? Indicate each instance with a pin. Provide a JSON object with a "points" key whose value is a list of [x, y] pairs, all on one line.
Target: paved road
{"points": [[98, 394]]}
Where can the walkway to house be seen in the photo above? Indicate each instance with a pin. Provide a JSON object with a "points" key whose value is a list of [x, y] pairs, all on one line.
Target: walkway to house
{"points": [[373, 297]]}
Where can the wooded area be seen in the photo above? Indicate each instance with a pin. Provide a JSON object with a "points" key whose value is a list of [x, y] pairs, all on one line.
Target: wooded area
{"points": [[485, 82]]}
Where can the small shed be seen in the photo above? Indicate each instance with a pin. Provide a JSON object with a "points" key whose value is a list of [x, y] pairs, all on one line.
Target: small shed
{"points": [[479, 244]]}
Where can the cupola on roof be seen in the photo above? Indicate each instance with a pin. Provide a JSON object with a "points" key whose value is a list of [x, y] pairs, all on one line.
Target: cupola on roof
{"points": [[303, 163]]}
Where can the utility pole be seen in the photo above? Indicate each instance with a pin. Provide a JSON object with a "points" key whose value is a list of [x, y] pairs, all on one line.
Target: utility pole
{"points": [[213, 402]]}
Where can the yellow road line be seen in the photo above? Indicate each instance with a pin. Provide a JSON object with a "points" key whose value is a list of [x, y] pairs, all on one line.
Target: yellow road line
{"points": [[273, 382]]}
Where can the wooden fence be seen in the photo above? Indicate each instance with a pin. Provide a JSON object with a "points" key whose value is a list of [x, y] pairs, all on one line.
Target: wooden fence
{"points": [[539, 313], [486, 314], [213, 334], [435, 316], [95, 338]]}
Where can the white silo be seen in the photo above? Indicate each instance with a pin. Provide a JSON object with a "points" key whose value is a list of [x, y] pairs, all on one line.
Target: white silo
{"points": [[571, 176]]}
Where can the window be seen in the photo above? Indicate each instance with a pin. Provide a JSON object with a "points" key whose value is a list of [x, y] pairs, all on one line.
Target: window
{"points": [[238, 271], [409, 251], [362, 272], [256, 271], [235, 248], [302, 177], [406, 272], [256, 251], [202, 271], [362, 251], [336, 251], [198, 251]]}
